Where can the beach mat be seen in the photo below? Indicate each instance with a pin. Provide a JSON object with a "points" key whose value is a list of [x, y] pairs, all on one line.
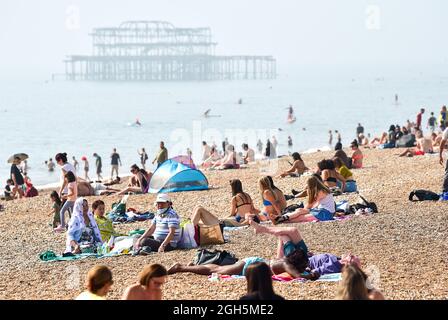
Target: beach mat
{"points": [[50, 256], [284, 277]]}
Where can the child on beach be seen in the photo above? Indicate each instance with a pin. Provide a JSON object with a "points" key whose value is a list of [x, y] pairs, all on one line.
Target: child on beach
{"points": [[9, 195], [105, 225], [56, 208], [69, 198]]}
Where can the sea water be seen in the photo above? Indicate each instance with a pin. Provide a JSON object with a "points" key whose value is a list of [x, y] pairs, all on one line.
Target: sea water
{"points": [[42, 118]]}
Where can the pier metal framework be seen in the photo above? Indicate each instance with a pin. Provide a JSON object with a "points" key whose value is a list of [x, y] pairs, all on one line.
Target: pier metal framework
{"points": [[158, 51]]}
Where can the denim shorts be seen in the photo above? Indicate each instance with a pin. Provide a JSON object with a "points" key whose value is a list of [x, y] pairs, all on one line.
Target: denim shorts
{"points": [[322, 214], [290, 247]]}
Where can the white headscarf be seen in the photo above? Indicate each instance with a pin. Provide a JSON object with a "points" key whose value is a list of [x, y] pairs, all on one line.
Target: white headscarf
{"points": [[77, 224]]}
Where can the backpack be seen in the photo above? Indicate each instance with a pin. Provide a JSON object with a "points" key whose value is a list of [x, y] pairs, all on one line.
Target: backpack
{"points": [[423, 195], [218, 257], [364, 205]]}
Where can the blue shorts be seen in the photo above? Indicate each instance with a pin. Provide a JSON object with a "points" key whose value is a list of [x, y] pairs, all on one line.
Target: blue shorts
{"points": [[350, 186], [249, 261], [322, 214], [290, 247]]}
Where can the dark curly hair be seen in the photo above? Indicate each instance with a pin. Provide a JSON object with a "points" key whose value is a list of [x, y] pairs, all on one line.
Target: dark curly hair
{"points": [[326, 165], [298, 259]]}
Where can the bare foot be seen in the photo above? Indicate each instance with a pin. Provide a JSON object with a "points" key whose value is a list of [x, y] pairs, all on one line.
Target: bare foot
{"points": [[257, 228], [174, 268]]}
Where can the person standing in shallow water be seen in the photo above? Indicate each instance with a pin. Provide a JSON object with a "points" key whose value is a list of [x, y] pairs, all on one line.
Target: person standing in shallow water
{"points": [[162, 155], [260, 146], [359, 131], [330, 138], [143, 157], [99, 166], [115, 160], [75, 163]]}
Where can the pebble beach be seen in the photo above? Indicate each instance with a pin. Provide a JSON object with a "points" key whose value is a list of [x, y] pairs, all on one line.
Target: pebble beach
{"points": [[403, 247]]}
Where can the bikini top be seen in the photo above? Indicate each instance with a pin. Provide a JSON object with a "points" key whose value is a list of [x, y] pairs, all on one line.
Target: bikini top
{"points": [[244, 202], [331, 179]]}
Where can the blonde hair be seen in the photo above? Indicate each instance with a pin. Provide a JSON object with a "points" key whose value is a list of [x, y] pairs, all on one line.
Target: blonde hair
{"points": [[353, 284], [151, 271], [314, 185], [265, 184], [97, 278]]}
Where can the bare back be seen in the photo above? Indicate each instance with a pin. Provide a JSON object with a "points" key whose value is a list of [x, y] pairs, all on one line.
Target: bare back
{"points": [[139, 292]]}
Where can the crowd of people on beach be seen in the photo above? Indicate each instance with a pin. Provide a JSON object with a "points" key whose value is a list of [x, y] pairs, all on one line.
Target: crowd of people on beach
{"points": [[87, 226]]}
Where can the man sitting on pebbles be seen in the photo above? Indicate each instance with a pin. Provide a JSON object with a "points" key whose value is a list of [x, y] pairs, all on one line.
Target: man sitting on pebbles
{"points": [[164, 232]]}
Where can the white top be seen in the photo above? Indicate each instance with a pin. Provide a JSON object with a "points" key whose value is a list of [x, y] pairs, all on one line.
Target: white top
{"points": [[67, 167], [327, 203], [445, 134]]}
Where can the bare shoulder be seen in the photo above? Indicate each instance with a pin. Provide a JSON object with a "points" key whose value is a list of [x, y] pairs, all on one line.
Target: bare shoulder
{"points": [[132, 292], [376, 295]]}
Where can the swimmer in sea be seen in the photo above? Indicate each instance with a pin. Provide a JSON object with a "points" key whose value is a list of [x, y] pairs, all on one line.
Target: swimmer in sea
{"points": [[206, 113], [137, 122]]}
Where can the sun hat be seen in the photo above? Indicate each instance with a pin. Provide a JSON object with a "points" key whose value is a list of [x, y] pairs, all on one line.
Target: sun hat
{"points": [[162, 197]]}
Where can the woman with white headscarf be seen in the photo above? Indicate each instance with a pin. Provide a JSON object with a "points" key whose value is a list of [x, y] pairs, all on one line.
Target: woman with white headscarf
{"points": [[83, 230]]}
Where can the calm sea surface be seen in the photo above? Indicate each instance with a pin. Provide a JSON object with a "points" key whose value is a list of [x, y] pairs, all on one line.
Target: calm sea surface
{"points": [[42, 118]]}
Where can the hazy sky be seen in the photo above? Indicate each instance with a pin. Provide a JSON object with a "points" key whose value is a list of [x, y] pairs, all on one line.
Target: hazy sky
{"points": [[34, 34]]}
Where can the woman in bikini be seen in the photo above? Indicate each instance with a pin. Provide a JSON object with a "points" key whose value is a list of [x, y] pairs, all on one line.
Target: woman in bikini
{"points": [[241, 208], [357, 155], [274, 200], [330, 176], [139, 181], [297, 168]]}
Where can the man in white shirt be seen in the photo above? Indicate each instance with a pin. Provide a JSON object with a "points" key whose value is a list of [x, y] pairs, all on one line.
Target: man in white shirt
{"points": [[442, 147], [206, 151]]}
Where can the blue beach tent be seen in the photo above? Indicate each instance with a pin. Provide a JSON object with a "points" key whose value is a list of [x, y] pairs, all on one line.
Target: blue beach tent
{"points": [[173, 176]]}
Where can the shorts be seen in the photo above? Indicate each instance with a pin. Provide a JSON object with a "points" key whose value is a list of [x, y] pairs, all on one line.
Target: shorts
{"points": [[419, 153], [289, 247], [350, 186], [322, 214], [249, 261]]}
